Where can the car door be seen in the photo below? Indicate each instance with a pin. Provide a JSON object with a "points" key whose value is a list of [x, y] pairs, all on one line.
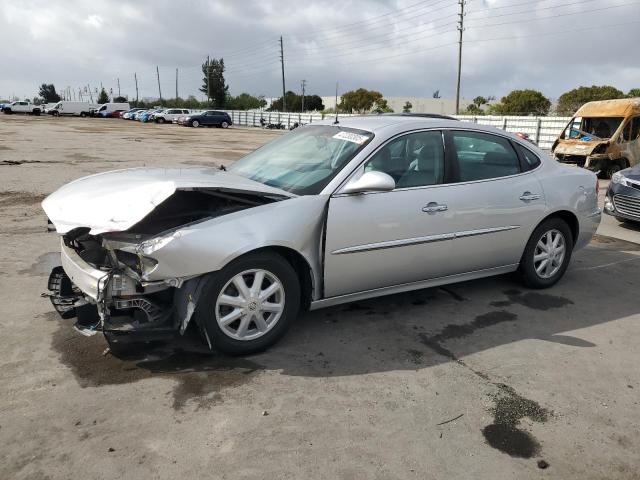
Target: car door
{"points": [[496, 201], [379, 239]]}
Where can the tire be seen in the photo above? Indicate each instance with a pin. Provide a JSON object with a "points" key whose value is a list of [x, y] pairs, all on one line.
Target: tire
{"points": [[8, 111], [548, 276], [224, 125], [612, 168], [36, 112], [195, 123], [160, 120], [277, 271], [82, 114]]}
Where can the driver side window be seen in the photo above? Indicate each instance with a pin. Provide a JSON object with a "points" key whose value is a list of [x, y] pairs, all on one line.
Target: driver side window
{"points": [[413, 160]]}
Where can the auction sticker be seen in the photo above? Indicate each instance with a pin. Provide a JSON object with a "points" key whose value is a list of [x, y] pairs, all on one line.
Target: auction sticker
{"points": [[351, 137]]}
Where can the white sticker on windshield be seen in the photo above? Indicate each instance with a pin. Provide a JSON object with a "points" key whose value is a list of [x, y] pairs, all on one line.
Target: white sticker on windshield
{"points": [[351, 137]]}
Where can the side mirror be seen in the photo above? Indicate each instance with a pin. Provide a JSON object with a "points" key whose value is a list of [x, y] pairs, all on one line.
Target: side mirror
{"points": [[370, 182]]}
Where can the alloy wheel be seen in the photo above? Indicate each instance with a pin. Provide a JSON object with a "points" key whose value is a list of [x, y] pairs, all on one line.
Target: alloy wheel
{"points": [[250, 304], [549, 253]]}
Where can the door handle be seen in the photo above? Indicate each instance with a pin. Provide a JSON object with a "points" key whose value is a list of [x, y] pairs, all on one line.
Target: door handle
{"points": [[528, 196], [433, 207]]}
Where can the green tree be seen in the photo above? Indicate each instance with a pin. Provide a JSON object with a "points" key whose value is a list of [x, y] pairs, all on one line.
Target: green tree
{"points": [[572, 100], [48, 93], [244, 101], [522, 102], [633, 93], [120, 99], [213, 83], [381, 106], [103, 97], [407, 107], [294, 103], [361, 101]]}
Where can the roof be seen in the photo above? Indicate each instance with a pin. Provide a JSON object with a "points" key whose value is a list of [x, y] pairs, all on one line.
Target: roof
{"points": [[610, 108], [375, 123]]}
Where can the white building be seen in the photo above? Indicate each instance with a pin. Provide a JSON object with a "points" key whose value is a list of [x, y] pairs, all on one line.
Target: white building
{"points": [[443, 106]]}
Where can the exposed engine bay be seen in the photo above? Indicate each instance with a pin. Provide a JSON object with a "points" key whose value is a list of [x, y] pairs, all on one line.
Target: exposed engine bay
{"points": [[103, 280]]}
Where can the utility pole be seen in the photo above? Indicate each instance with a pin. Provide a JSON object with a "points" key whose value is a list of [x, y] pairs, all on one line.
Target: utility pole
{"points": [[336, 122], [176, 84], [208, 81], [118, 86], [90, 94], [304, 84], [284, 103], [460, 30], [135, 77], [159, 91]]}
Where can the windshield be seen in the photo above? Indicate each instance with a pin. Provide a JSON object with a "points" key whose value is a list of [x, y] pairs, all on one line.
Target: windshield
{"points": [[592, 128], [305, 160]]}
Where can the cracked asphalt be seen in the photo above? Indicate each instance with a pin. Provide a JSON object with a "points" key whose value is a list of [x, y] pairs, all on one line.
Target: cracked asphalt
{"points": [[484, 379]]}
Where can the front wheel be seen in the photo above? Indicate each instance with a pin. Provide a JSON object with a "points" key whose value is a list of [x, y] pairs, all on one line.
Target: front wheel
{"points": [[547, 254], [250, 304], [195, 123]]}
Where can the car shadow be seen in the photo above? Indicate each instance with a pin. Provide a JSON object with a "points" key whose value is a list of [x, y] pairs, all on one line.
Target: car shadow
{"points": [[407, 331]]}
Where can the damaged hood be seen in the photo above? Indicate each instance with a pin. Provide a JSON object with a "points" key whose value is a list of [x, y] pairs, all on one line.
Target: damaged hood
{"points": [[577, 147], [115, 201]]}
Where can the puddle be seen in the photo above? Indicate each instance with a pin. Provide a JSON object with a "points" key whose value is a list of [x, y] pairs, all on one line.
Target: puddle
{"points": [[533, 300], [504, 434], [199, 378], [43, 264]]}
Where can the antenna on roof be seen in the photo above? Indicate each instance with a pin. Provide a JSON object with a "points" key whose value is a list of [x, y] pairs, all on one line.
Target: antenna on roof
{"points": [[336, 121]]}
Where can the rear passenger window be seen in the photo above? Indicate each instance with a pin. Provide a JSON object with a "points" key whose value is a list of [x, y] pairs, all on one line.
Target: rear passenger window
{"points": [[482, 156], [531, 160]]}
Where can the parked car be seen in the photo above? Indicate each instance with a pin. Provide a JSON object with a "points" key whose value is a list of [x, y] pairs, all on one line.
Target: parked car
{"points": [[623, 195], [208, 118], [81, 109], [147, 116], [169, 115], [602, 136], [323, 215], [128, 115], [22, 106], [106, 109]]}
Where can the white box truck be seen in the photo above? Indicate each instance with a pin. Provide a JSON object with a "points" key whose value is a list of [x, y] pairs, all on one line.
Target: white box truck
{"points": [[71, 108], [106, 109]]}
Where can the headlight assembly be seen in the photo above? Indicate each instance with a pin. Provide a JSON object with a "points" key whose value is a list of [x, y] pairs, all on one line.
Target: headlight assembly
{"points": [[618, 178]]}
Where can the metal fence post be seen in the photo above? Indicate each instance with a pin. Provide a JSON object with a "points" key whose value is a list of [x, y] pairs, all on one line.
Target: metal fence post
{"points": [[538, 127], [504, 123]]}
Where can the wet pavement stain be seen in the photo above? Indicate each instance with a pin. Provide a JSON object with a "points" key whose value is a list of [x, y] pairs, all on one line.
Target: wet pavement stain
{"points": [[43, 264], [504, 434], [538, 301], [199, 377]]}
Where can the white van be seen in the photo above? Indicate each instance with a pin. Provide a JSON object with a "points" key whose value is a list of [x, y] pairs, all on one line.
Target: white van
{"points": [[106, 109], [71, 108]]}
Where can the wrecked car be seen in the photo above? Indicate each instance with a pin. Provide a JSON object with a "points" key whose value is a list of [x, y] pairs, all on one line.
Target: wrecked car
{"points": [[623, 195], [602, 136], [327, 214]]}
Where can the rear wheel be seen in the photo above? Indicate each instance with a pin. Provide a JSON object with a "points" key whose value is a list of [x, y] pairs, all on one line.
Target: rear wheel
{"points": [[160, 120], [195, 123], [547, 254], [224, 125], [613, 167], [249, 304], [36, 112]]}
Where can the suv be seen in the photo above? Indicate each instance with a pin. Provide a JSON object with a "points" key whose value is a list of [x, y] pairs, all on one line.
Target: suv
{"points": [[602, 136], [169, 115]]}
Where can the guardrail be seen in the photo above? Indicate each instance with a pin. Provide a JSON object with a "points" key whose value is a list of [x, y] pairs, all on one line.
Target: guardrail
{"points": [[542, 130]]}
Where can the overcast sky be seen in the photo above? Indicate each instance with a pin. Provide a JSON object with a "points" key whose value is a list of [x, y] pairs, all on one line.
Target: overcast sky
{"points": [[399, 47]]}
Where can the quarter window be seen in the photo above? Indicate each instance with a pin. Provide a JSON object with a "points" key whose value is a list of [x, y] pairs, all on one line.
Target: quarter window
{"points": [[635, 129], [481, 156], [531, 160], [413, 160]]}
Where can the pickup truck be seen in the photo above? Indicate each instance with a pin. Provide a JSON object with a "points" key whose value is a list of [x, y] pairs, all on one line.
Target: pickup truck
{"points": [[22, 107]]}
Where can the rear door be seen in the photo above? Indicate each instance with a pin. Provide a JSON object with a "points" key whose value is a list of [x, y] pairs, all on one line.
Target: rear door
{"points": [[496, 201]]}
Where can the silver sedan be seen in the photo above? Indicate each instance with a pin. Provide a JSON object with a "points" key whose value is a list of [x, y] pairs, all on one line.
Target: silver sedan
{"points": [[327, 214]]}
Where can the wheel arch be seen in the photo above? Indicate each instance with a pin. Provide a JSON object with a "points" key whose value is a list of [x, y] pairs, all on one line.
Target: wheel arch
{"points": [[569, 218], [300, 265]]}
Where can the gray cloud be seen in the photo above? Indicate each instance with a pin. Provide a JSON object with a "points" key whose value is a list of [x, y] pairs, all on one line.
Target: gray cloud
{"points": [[409, 52]]}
